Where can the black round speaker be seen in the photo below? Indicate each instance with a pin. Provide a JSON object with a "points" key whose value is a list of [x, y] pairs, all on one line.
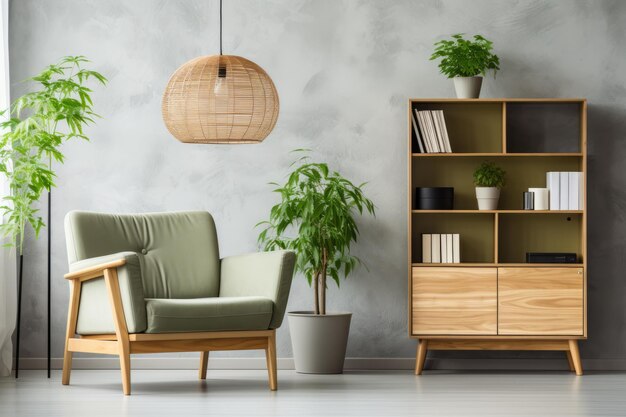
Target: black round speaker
{"points": [[434, 198]]}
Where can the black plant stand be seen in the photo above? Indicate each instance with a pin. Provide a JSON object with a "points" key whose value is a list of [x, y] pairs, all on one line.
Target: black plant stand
{"points": [[49, 262], [19, 298], [19, 316]]}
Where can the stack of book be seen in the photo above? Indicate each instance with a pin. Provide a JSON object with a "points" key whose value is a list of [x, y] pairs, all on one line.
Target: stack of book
{"points": [[430, 130], [442, 248], [566, 190]]}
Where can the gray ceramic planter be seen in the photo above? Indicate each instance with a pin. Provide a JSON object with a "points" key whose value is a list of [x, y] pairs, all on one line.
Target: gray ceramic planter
{"points": [[319, 342], [468, 87]]}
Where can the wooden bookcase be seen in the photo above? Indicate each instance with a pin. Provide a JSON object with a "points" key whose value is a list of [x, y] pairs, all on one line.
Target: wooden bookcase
{"points": [[493, 299]]}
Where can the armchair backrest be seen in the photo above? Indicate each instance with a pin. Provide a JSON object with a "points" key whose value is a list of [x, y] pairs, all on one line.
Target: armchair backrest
{"points": [[178, 252]]}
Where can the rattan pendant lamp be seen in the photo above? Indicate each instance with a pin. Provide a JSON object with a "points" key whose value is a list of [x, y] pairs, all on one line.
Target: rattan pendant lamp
{"points": [[220, 99]]}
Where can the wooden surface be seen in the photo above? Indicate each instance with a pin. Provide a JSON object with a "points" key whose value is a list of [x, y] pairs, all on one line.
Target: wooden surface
{"points": [[540, 301], [72, 317], [574, 356], [515, 344], [204, 363], [198, 345], [454, 301], [422, 349], [94, 271], [121, 331], [272, 365], [364, 393]]}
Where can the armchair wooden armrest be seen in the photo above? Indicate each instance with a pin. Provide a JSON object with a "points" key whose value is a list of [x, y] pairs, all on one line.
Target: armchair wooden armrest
{"points": [[95, 271]]}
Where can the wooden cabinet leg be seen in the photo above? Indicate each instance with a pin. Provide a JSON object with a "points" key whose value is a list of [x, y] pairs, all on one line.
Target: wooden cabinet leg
{"points": [[270, 353], [570, 361], [204, 362], [422, 348], [575, 354]]}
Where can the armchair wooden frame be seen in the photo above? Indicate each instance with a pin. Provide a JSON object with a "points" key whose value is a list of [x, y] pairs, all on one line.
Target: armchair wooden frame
{"points": [[124, 344]]}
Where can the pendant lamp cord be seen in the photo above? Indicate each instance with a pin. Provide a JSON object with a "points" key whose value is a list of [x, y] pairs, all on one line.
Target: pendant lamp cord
{"points": [[220, 27]]}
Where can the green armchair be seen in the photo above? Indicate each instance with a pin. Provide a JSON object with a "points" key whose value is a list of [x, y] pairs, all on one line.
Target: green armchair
{"points": [[149, 283]]}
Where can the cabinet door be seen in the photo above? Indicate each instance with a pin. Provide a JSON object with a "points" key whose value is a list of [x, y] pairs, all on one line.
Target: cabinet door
{"points": [[454, 301], [540, 301]]}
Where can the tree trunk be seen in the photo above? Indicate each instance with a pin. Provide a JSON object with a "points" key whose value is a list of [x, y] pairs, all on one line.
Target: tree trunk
{"points": [[322, 287], [316, 280]]}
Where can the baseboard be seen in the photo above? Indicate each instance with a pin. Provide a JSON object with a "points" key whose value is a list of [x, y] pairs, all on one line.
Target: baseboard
{"points": [[350, 364]]}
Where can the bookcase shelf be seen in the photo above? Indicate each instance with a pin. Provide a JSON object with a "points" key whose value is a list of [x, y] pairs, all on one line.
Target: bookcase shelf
{"points": [[497, 154], [499, 211], [493, 294]]}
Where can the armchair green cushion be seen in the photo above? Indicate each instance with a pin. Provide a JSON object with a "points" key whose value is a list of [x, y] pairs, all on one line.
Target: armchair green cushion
{"points": [[208, 314], [173, 279]]}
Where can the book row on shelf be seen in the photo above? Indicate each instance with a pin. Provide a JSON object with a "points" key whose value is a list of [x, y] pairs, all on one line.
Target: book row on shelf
{"points": [[566, 190], [442, 248], [431, 133]]}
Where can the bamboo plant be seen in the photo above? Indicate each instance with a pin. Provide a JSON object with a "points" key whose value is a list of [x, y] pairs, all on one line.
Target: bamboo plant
{"points": [[36, 126], [316, 219]]}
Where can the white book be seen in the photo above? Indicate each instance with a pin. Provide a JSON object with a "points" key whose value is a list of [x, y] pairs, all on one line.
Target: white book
{"points": [[553, 184], [456, 248], [438, 131], [581, 191], [573, 188], [435, 130], [418, 137], [444, 249], [430, 130], [444, 129], [426, 249], [449, 246], [424, 130], [564, 190], [436, 248]]}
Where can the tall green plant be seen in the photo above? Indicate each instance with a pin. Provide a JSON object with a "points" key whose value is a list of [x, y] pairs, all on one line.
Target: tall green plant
{"points": [[461, 57], [320, 206], [38, 124]]}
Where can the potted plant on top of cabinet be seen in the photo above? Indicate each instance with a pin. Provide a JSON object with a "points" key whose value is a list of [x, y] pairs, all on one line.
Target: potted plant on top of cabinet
{"points": [[316, 219], [488, 179], [466, 62]]}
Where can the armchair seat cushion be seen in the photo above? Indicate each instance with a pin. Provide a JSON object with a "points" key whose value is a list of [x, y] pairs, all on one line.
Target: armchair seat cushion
{"points": [[167, 315]]}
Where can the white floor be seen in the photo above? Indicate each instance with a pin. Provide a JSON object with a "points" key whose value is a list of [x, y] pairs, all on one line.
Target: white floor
{"points": [[374, 393]]}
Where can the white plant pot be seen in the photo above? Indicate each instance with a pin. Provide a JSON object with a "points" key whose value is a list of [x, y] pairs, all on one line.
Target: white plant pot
{"points": [[487, 197], [468, 87], [319, 342]]}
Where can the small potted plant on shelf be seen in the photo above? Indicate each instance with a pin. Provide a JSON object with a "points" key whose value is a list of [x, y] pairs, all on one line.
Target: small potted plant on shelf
{"points": [[466, 61], [488, 179], [316, 219]]}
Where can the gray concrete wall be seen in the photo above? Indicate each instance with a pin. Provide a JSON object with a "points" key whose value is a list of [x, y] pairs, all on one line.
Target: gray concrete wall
{"points": [[344, 71]]}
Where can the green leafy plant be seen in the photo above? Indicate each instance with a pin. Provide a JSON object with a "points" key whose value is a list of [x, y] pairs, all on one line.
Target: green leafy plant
{"points": [[465, 58], [319, 205], [489, 174], [38, 124]]}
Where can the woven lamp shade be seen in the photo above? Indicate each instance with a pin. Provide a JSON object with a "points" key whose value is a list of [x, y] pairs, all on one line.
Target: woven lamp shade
{"points": [[223, 99]]}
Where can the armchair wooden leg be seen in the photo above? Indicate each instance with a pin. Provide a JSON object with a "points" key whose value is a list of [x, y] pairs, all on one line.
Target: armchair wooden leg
{"points": [[204, 362], [573, 349], [72, 316], [121, 331], [422, 348], [125, 365], [270, 353]]}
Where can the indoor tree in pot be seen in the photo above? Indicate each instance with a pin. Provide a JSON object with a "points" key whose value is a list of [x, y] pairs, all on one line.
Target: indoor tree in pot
{"points": [[488, 179], [35, 126], [466, 61], [316, 219]]}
